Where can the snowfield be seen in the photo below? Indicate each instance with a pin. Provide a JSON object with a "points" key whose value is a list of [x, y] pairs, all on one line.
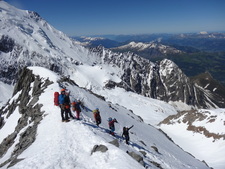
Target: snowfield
{"points": [[6, 93], [69, 145], [208, 149]]}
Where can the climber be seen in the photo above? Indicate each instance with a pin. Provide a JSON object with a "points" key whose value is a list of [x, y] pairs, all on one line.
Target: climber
{"points": [[126, 133], [67, 104], [111, 125], [64, 114], [97, 116], [76, 107]]}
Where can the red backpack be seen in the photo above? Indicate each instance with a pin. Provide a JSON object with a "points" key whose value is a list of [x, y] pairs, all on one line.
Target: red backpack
{"points": [[56, 98]]}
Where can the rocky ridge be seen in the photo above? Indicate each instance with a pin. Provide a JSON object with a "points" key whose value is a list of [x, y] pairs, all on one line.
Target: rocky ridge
{"points": [[161, 80], [25, 97]]}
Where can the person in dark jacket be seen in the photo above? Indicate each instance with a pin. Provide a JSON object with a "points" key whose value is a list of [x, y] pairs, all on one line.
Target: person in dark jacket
{"points": [[97, 116], [67, 105], [126, 133]]}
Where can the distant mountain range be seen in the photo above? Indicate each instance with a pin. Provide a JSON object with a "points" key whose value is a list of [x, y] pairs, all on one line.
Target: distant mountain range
{"points": [[194, 53], [209, 42]]}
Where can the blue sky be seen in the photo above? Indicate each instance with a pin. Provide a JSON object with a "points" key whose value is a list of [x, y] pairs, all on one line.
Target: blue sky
{"points": [[99, 17]]}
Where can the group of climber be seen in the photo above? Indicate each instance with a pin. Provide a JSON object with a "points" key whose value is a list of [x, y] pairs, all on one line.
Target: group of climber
{"points": [[111, 123], [63, 101]]}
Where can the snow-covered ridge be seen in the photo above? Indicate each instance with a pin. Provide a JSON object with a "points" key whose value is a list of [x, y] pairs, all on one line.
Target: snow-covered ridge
{"points": [[65, 145], [140, 46], [87, 41], [92, 38]]}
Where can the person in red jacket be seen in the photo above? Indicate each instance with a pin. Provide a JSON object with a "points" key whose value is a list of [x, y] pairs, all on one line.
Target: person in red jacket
{"points": [[76, 107], [111, 125]]}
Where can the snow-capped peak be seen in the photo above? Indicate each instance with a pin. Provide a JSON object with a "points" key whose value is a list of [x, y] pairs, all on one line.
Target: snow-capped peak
{"points": [[34, 34], [92, 38], [203, 32], [140, 46]]}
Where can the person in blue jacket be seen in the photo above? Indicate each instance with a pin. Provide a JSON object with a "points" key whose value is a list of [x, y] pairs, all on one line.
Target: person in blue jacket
{"points": [[64, 114]]}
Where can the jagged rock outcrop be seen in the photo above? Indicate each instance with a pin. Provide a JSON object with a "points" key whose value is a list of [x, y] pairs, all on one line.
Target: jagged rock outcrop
{"points": [[6, 44], [162, 80], [206, 82], [25, 98]]}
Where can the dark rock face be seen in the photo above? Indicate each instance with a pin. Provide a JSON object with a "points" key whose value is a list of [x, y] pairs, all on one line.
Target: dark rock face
{"points": [[34, 15], [206, 82], [162, 80], [30, 112], [6, 44]]}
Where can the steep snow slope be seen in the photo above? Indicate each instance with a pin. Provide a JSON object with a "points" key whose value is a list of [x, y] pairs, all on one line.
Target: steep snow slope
{"points": [[6, 93], [69, 145], [27, 39], [201, 133]]}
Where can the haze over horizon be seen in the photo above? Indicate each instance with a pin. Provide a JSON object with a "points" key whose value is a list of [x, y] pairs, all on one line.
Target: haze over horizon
{"points": [[82, 18]]}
